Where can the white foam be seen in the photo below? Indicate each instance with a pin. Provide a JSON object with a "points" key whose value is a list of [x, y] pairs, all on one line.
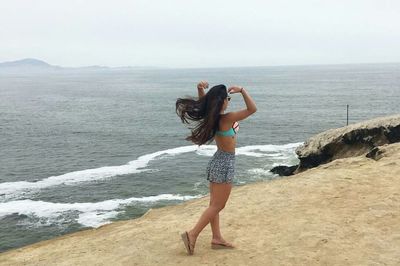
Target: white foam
{"points": [[268, 149], [92, 214], [206, 150], [280, 164], [260, 171], [13, 190]]}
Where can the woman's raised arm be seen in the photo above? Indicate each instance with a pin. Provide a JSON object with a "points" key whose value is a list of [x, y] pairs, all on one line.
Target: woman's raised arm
{"points": [[250, 104]]}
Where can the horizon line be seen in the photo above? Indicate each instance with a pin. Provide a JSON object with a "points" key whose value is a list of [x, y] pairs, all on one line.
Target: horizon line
{"points": [[208, 67]]}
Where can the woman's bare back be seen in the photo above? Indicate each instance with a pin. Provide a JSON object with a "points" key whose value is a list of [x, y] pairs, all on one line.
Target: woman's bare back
{"points": [[225, 143]]}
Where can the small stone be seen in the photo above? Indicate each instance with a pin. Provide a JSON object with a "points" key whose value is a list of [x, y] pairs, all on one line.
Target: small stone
{"points": [[284, 170], [375, 154]]}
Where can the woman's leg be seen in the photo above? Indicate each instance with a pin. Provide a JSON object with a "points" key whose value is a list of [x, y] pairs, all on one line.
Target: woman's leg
{"points": [[214, 222], [219, 192], [216, 232]]}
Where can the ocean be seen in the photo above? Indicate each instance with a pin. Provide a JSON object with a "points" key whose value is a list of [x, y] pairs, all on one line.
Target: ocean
{"points": [[83, 149]]}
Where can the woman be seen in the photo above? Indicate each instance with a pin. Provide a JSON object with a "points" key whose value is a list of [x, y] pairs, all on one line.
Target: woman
{"points": [[214, 123]]}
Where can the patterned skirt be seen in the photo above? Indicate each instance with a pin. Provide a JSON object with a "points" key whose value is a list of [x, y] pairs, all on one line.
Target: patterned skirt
{"points": [[221, 167]]}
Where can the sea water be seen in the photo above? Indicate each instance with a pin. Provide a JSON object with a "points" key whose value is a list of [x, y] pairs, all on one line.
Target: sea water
{"points": [[82, 149]]}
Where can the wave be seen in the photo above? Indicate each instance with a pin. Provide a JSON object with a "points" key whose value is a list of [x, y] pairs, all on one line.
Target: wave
{"points": [[90, 214], [269, 150], [18, 189], [12, 190], [260, 172]]}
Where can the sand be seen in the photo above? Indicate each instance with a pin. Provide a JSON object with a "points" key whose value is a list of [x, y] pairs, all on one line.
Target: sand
{"points": [[346, 212]]}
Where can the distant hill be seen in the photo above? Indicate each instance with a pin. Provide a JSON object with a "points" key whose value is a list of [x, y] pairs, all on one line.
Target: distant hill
{"points": [[27, 64], [36, 65]]}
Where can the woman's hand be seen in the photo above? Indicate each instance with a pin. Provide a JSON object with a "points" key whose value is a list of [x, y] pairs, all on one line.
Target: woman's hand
{"points": [[235, 89], [202, 85]]}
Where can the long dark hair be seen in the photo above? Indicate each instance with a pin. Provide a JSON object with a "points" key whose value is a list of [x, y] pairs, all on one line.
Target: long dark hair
{"points": [[205, 111]]}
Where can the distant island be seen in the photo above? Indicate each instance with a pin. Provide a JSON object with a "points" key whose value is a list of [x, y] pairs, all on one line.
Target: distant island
{"points": [[36, 65], [33, 65]]}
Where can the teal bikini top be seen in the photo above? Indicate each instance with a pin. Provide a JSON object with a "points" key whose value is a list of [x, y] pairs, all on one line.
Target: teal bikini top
{"points": [[230, 132]]}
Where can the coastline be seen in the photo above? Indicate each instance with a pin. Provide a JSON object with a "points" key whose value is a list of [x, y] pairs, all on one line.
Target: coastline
{"points": [[345, 212]]}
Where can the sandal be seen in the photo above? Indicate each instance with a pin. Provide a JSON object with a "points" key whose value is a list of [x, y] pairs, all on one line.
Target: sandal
{"points": [[189, 246], [225, 245]]}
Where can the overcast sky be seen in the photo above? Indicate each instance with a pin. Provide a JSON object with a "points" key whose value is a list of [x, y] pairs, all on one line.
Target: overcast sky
{"points": [[201, 33]]}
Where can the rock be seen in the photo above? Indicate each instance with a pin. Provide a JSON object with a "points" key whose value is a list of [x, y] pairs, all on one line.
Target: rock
{"points": [[284, 170], [348, 141], [375, 154]]}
